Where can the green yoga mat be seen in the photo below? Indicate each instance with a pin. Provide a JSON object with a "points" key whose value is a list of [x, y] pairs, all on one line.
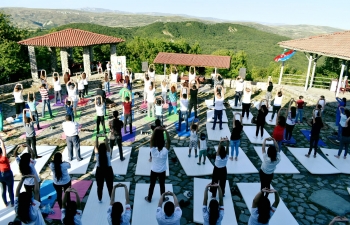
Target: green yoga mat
{"points": [[149, 119], [47, 115], [101, 131], [173, 118], [77, 118]]}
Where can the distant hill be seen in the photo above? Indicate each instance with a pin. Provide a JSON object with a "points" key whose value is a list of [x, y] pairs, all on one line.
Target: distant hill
{"points": [[48, 18]]}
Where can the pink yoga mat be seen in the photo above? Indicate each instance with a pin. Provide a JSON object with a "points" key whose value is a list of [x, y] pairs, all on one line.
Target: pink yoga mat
{"points": [[82, 187], [63, 136], [37, 132], [109, 94], [117, 85], [143, 105], [50, 97]]}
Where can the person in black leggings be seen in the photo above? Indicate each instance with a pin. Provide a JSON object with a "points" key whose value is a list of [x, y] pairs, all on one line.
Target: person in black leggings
{"points": [[260, 123], [277, 103], [116, 126], [291, 116], [246, 102]]}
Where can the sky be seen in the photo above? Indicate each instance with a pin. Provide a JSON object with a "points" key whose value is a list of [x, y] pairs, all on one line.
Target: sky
{"points": [[333, 13]]}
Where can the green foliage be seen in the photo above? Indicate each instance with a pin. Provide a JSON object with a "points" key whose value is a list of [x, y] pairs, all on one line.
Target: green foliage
{"points": [[238, 60]]}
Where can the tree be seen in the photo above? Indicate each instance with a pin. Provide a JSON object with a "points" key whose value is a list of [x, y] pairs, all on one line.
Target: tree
{"points": [[238, 60]]}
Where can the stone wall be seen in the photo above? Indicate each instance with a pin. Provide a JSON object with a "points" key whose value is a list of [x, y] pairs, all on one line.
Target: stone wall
{"points": [[8, 88]]}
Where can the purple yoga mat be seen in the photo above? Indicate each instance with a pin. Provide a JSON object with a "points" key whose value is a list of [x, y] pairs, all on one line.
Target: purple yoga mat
{"points": [[37, 132], [58, 104], [129, 137]]}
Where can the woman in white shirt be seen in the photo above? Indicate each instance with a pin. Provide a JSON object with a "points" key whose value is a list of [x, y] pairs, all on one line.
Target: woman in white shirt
{"points": [[115, 215], [277, 104], [219, 105], [183, 113], [26, 207], [192, 73], [269, 163], [72, 94], [57, 88], [151, 72], [19, 101], [147, 83], [213, 214], [174, 75], [70, 212], [150, 100], [262, 211], [164, 86], [291, 118], [220, 170], [85, 83], [246, 102], [80, 88], [61, 178]]}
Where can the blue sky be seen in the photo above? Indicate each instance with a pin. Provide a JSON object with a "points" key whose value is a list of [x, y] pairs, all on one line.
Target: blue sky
{"points": [[332, 13]]}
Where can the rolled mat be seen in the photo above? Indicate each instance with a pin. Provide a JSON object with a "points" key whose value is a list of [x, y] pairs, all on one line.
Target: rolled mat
{"points": [[306, 133]]}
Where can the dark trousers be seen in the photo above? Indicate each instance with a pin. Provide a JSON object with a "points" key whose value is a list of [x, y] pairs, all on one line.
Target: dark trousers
{"points": [[100, 120], [46, 103], [219, 176], [313, 143], [118, 141], [7, 181], [154, 176], [73, 141], [245, 109], [238, 96], [36, 117], [86, 89], [185, 115], [261, 126], [289, 131], [275, 110], [265, 179], [58, 189], [344, 143], [193, 105], [160, 117], [31, 141], [127, 118], [217, 116], [102, 175]]}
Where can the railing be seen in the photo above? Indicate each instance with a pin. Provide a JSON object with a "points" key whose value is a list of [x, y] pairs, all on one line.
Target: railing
{"points": [[322, 82], [293, 79]]}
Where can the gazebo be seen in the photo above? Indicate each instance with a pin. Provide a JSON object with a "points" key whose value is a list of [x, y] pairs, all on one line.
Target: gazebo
{"points": [[65, 39], [336, 45]]}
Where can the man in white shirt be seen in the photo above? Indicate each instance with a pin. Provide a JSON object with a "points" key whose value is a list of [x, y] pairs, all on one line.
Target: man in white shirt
{"points": [[172, 212], [183, 108], [239, 90], [150, 100], [71, 130]]}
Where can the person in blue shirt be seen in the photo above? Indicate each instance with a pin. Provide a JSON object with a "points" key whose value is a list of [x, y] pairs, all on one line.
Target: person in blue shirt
{"points": [[69, 109], [32, 106]]}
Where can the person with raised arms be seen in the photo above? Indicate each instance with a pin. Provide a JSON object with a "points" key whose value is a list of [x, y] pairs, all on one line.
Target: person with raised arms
{"points": [[291, 116], [277, 103], [44, 92], [147, 83], [278, 131], [72, 94], [213, 214], [32, 106], [115, 215], [271, 158], [193, 97], [317, 125], [71, 210], [150, 100], [219, 105], [172, 212], [239, 90], [261, 119], [19, 101], [183, 113], [6, 176], [173, 98], [235, 139], [99, 107], [246, 102], [28, 124], [115, 135], [57, 87]]}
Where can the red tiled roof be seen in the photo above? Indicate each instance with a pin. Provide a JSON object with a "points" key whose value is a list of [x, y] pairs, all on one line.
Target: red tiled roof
{"points": [[335, 45], [70, 38], [193, 60]]}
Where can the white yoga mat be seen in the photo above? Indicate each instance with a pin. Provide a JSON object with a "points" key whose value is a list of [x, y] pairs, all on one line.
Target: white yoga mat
{"points": [[210, 103], [242, 166], [256, 105], [78, 167], [250, 132], [44, 151], [189, 164], [316, 165], [9, 148], [217, 134], [198, 195], [348, 190], [143, 166], [233, 107], [95, 212], [282, 214], [268, 117], [119, 167], [284, 167], [244, 119], [8, 214], [341, 164], [144, 213], [210, 115]]}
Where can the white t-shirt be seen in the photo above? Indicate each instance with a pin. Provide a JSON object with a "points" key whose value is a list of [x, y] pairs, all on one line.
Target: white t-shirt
{"points": [[159, 110], [81, 85], [30, 180], [164, 88], [147, 83], [193, 136], [239, 85], [163, 219], [343, 119], [219, 104], [246, 97], [267, 166], [70, 128], [203, 144], [206, 215], [100, 110], [57, 85], [72, 93], [85, 81], [34, 213], [253, 219], [278, 101], [150, 95], [159, 159], [125, 218], [219, 162], [173, 78], [290, 120], [18, 97], [191, 77], [183, 105], [151, 75], [65, 175], [322, 103], [77, 217]]}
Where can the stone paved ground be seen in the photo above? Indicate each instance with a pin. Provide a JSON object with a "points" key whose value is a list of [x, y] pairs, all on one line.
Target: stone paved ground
{"points": [[294, 189]]}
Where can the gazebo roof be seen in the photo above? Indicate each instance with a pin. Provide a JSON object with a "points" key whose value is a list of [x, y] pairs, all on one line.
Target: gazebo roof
{"points": [[193, 60], [70, 38], [336, 45]]}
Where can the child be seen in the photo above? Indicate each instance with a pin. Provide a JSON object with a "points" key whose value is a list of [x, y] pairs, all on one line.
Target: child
{"points": [[100, 114], [300, 111], [193, 139], [57, 88], [164, 87], [80, 88], [32, 106], [69, 108], [127, 104], [183, 109], [278, 131], [106, 83], [30, 132], [159, 108], [202, 144]]}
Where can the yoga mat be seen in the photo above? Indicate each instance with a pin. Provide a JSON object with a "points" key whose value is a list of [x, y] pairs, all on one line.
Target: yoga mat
{"points": [[101, 131], [244, 119], [83, 102], [37, 132], [149, 119], [316, 165], [143, 166], [284, 167], [81, 186], [8, 214], [198, 190], [217, 134], [189, 164], [250, 133], [58, 104], [256, 105], [78, 167], [50, 98], [210, 103], [282, 214], [242, 166], [268, 118], [172, 118], [47, 115], [27, 106], [96, 212], [116, 85], [109, 94], [127, 137], [48, 193], [210, 115], [306, 133], [63, 135], [233, 107], [341, 164], [292, 141], [144, 212]]}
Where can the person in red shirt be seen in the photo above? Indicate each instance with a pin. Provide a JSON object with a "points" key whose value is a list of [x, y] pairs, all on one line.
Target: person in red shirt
{"points": [[300, 110], [127, 114], [6, 175], [278, 132]]}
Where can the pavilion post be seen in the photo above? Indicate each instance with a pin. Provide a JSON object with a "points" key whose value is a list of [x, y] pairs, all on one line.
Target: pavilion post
{"points": [[33, 65], [313, 71], [53, 59], [281, 74], [216, 70], [308, 71], [87, 63], [64, 59], [340, 78]]}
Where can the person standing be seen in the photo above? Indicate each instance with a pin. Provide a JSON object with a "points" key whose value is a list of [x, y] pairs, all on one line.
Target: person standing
{"points": [[239, 90], [220, 171], [80, 87], [345, 140], [341, 103], [147, 83], [172, 212], [115, 213], [102, 93], [219, 105], [127, 105], [66, 78], [32, 106], [72, 94], [277, 104], [193, 98], [164, 86], [69, 108], [71, 130], [173, 99], [183, 113], [278, 131], [107, 84], [236, 136], [115, 137], [28, 125], [45, 100], [317, 125], [217, 81], [291, 115], [246, 102], [19, 101], [300, 111], [261, 119], [71, 212], [109, 67], [6, 176], [268, 94], [99, 114], [203, 149], [159, 153], [322, 103], [150, 100], [57, 88], [215, 212], [85, 83]]}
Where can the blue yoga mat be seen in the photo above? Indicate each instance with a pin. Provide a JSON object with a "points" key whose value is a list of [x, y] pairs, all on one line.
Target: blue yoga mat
{"points": [[292, 141], [306, 133], [48, 193], [183, 132]]}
